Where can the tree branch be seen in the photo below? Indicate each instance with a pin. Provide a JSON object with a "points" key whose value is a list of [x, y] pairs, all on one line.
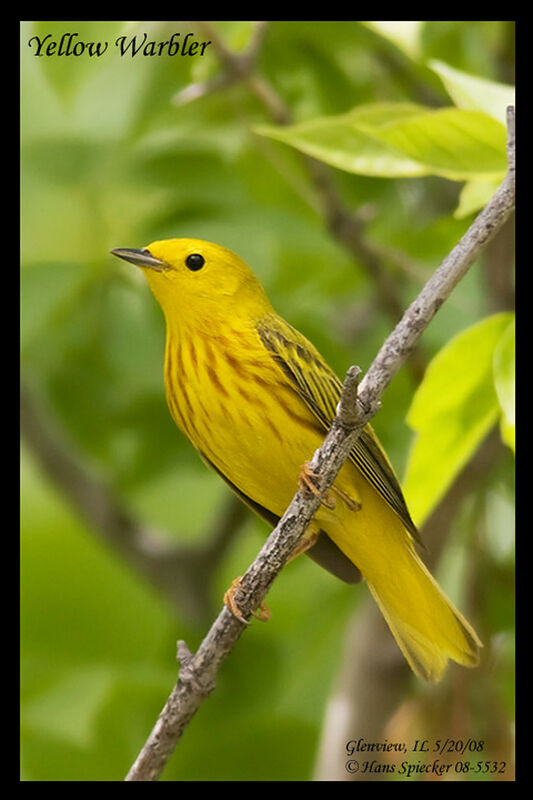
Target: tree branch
{"points": [[198, 674]]}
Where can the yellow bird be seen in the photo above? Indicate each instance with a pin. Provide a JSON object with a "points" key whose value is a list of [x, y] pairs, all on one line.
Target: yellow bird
{"points": [[256, 399]]}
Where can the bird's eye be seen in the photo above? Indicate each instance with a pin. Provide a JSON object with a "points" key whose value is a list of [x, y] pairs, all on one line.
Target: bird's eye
{"points": [[194, 262]]}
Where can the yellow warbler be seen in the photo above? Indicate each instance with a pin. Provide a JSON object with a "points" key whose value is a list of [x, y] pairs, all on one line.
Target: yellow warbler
{"points": [[256, 398]]}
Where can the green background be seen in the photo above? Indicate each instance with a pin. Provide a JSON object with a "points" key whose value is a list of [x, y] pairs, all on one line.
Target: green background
{"points": [[113, 156]]}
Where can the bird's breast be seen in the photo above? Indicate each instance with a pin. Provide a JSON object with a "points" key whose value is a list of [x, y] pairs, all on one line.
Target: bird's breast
{"points": [[237, 407]]}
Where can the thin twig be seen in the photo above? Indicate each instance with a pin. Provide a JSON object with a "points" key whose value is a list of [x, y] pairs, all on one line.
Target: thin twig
{"points": [[347, 410], [198, 679], [236, 67]]}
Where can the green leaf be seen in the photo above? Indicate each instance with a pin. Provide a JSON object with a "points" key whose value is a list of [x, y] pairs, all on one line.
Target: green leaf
{"points": [[343, 143], [453, 409], [402, 140], [474, 93], [474, 196], [504, 381]]}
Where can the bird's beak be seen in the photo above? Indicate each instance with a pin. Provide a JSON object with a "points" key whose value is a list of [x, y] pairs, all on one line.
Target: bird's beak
{"points": [[141, 258]]}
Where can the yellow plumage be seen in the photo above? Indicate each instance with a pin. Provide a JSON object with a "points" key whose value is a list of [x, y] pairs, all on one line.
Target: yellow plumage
{"points": [[256, 398]]}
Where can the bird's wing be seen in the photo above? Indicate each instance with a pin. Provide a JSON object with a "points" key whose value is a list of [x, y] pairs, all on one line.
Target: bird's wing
{"points": [[320, 389]]}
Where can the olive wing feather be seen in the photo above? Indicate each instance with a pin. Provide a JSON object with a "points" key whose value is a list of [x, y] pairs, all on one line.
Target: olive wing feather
{"points": [[321, 389]]}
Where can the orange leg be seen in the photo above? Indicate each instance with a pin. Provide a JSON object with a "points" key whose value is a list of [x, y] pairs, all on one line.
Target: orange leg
{"points": [[352, 504], [305, 481], [263, 613]]}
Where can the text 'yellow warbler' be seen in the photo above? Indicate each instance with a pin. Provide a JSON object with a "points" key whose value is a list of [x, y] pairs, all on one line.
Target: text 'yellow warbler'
{"points": [[256, 399]]}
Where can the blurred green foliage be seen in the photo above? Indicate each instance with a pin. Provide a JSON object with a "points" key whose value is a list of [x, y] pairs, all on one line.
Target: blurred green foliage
{"points": [[454, 408], [110, 160]]}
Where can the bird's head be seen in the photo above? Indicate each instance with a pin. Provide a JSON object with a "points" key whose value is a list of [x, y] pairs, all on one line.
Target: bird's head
{"points": [[197, 280]]}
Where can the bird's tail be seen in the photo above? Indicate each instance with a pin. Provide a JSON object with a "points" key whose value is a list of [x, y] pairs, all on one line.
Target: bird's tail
{"points": [[426, 625]]}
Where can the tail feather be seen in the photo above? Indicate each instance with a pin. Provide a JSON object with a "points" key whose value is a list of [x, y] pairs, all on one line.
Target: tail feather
{"points": [[426, 625]]}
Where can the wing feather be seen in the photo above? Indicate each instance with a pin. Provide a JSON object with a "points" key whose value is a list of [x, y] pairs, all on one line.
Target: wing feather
{"points": [[321, 389]]}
